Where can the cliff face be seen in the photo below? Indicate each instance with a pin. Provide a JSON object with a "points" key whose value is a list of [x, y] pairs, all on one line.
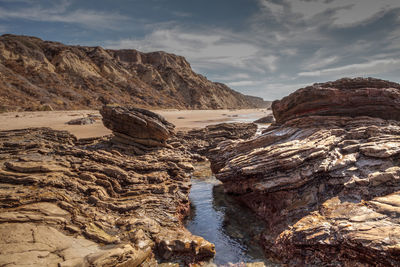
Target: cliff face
{"points": [[35, 74]]}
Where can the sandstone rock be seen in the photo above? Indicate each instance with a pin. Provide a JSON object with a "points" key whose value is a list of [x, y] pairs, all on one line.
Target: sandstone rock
{"points": [[327, 186], [135, 125], [64, 203], [78, 77], [344, 97], [40, 245]]}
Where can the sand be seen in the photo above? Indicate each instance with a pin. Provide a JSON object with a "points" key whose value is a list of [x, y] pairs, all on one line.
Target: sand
{"points": [[183, 119]]}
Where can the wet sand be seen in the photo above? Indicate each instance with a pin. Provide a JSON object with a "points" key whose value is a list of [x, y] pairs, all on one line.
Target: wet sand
{"points": [[183, 119]]}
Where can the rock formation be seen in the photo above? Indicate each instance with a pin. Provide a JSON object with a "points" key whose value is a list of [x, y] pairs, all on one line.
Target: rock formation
{"points": [[137, 127], [91, 202], [326, 176], [344, 97], [43, 75]]}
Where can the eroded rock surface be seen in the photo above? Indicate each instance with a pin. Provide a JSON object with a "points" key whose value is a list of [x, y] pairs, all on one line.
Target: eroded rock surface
{"points": [[68, 202], [328, 186], [43, 75], [136, 126], [344, 97]]}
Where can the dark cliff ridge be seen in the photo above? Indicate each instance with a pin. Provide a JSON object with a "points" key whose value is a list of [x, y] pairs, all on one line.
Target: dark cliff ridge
{"points": [[40, 75]]}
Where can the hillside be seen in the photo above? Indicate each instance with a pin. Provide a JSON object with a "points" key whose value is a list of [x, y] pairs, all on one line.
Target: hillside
{"points": [[40, 75]]}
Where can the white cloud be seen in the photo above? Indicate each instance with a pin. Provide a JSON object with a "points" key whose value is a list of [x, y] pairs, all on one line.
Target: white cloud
{"points": [[361, 69], [269, 61], [344, 12], [59, 13], [181, 14], [288, 51], [267, 88], [231, 76], [276, 10], [272, 59], [211, 49], [273, 91], [244, 83], [322, 62], [323, 57]]}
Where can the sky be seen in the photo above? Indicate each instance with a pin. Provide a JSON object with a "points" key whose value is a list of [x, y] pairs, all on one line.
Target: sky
{"points": [[266, 48]]}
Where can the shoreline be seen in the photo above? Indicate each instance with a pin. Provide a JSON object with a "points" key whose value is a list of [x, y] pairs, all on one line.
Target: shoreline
{"points": [[182, 119]]}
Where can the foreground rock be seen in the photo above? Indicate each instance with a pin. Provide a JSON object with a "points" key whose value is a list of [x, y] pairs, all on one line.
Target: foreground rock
{"points": [[328, 186], [68, 202]]}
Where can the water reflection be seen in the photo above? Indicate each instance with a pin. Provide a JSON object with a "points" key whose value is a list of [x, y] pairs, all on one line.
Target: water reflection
{"points": [[223, 221]]}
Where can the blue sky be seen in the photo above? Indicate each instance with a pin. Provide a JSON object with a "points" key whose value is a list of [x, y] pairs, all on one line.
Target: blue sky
{"points": [[267, 48]]}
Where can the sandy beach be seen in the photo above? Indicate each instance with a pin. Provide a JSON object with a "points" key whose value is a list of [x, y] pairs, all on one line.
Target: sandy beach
{"points": [[183, 119]]}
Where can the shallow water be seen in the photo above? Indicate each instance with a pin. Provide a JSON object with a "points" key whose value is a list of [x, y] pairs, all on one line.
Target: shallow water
{"points": [[221, 220]]}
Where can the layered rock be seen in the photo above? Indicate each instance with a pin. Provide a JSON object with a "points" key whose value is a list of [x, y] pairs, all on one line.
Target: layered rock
{"points": [[38, 75], [344, 97], [328, 186], [68, 202], [136, 126]]}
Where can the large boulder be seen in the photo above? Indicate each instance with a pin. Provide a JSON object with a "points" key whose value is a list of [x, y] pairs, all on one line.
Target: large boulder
{"points": [[137, 126], [344, 97], [327, 186]]}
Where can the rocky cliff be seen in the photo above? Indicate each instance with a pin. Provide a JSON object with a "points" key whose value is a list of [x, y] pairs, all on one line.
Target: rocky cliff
{"points": [[40, 75], [326, 176]]}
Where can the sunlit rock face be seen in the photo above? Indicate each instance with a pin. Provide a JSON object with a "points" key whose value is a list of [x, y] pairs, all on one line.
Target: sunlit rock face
{"points": [[326, 176], [44, 75], [95, 202]]}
